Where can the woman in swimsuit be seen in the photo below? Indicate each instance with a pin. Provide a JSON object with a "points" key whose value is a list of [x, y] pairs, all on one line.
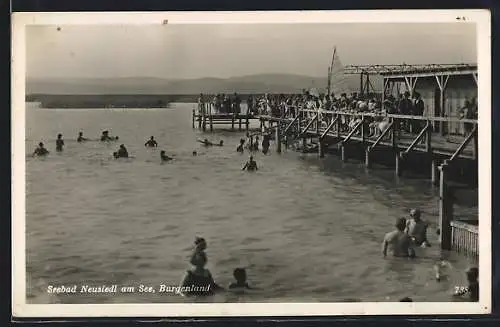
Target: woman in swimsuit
{"points": [[199, 281]]}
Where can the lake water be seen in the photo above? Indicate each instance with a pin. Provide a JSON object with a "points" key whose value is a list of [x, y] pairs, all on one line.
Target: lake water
{"points": [[306, 229]]}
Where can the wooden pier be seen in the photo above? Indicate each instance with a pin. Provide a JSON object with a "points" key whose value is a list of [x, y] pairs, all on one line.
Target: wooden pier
{"points": [[205, 115], [442, 155]]}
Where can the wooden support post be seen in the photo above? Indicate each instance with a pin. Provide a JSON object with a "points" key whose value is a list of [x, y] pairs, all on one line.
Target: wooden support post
{"points": [[368, 162], [211, 123], [239, 123], [204, 118], [317, 124], [434, 172], [232, 122], [442, 81], [445, 207], [399, 164], [395, 128], [278, 139], [428, 138], [343, 152], [363, 136], [247, 123], [321, 148], [194, 117], [339, 124]]}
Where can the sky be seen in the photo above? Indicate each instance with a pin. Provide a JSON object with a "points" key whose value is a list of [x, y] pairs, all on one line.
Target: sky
{"points": [[226, 50]]}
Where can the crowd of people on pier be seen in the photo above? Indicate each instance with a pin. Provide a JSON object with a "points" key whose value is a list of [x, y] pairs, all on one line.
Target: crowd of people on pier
{"points": [[288, 105]]}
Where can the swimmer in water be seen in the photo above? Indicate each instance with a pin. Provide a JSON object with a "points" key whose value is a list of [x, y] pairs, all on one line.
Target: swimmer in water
{"points": [[250, 165], [164, 156], [122, 152], [81, 138], [206, 142], [416, 228], [240, 147], [195, 153], [398, 241], [199, 277], [59, 143], [406, 299], [151, 143], [105, 137], [240, 275], [41, 150], [441, 269], [221, 143], [255, 145]]}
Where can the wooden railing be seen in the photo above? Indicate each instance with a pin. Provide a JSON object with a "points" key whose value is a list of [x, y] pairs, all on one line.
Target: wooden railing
{"points": [[464, 237]]}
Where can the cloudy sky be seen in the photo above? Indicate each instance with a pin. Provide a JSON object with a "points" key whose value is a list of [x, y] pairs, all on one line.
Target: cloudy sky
{"points": [[223, 50]]}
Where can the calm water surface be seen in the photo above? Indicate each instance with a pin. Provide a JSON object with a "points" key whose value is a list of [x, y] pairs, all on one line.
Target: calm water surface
{"points": [[306, 229]]}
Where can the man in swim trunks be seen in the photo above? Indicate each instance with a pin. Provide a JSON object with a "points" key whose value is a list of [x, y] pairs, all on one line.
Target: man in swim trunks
{"points": [[81, 138], [41, 150], [398, 241], [151, 143], [122, 152], [251, 165], [59, 143], [416, 228]]}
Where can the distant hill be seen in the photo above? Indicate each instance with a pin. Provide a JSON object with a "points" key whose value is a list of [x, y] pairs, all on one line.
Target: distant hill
{"points": [[270, 83]]}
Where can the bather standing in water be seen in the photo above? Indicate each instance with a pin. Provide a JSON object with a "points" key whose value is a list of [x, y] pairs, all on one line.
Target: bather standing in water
{"points": [[416, 228], [105, 137], [122, 152], [41, 150], [59, 143], [398, 241], [151, 143], [81, 138], [255, 145], [250, 165], [240, 275], [199, 281], [240, 147]]}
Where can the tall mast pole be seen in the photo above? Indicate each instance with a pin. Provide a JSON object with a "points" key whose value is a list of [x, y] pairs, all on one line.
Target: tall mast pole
{"points": [[330, 71]]}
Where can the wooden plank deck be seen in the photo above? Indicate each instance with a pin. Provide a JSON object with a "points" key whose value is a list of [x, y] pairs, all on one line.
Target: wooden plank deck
{"points": [[441, 145]]}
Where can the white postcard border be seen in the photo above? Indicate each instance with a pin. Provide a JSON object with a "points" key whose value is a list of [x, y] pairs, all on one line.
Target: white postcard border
{"points": [[19, 22]]}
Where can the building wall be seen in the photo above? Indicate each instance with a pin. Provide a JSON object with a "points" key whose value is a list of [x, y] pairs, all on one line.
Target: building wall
{"points": [[458, 89]]}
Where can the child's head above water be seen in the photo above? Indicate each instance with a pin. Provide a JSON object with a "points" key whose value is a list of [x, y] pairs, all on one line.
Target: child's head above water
{"points": [[240, 275], [200, 243]]}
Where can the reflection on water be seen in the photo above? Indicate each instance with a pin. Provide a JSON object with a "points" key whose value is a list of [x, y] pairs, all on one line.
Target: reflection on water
{"points": [[306, 229]]}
